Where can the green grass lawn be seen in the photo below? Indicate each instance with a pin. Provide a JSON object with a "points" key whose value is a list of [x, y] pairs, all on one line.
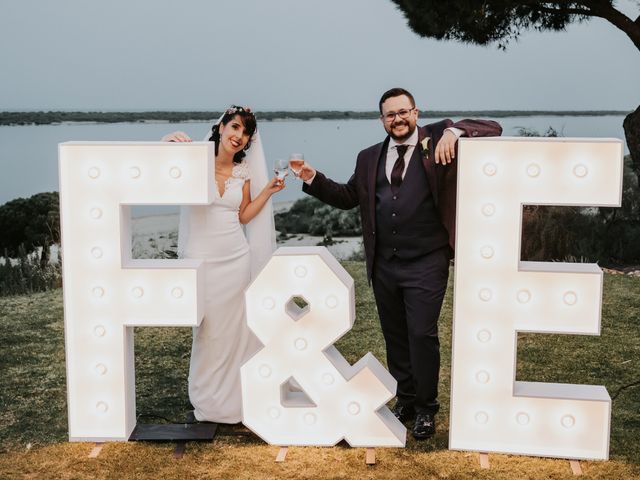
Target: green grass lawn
{"points": [[33, 415]]}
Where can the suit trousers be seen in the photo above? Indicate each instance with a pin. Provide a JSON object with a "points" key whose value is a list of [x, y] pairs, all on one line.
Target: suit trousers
{"points": [[409, 295]]}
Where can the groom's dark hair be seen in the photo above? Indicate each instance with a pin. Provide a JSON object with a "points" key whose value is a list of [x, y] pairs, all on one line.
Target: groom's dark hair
{"points": [[395, 92]]}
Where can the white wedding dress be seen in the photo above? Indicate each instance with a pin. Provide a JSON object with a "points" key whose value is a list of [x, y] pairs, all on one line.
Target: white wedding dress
{"points": [[222, 342]]}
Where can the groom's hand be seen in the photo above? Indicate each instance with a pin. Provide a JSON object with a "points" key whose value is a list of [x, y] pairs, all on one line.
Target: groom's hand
{"points": [[446, 148], [307, 172]]}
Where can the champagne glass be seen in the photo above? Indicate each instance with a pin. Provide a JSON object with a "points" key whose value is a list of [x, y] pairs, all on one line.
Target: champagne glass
{"points": [[296, 162], [281, 169]]}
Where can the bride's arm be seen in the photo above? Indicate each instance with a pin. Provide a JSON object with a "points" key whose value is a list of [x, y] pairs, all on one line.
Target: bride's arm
{"points": [[250, 208]]}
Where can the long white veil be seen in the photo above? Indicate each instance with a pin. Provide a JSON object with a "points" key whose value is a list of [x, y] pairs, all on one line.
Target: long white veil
{"points": [[260, 231]]}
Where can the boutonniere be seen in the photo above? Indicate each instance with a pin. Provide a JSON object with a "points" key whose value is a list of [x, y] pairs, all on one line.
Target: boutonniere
{"points": [[425, 147]]}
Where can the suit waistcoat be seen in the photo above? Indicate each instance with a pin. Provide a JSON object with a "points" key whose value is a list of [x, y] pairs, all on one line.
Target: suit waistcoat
{"points": [[407, 222]]}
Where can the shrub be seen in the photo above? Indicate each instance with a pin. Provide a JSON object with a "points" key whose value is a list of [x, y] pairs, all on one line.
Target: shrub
{"points": [[309, 215], [31, 223], [595, 234], [27, 275]]}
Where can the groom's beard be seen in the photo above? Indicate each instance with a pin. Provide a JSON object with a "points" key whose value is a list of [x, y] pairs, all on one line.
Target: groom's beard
{"points": [[400, 137]]}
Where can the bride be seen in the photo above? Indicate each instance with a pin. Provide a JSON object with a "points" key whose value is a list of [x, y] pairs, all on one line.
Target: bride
{"points": [[214, 233]]}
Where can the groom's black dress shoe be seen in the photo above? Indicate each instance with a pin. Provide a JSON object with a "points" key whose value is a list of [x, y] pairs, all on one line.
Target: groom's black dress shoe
{"points": [[424, 427], [403, 413]]}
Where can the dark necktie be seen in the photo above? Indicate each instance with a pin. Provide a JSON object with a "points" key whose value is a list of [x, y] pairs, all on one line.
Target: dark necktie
{"points": [[398, 167]]}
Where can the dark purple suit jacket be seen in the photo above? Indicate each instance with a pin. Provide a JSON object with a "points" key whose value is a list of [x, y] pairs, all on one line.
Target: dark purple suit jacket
{"points": [[360, 189]]}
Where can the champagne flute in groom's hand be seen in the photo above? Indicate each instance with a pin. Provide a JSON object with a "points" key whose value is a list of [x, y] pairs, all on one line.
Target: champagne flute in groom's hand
{"points": [[296, 162]]}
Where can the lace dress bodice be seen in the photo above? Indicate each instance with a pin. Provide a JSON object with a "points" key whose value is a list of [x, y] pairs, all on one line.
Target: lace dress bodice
{"points": [[233, 185], [215, 229]]}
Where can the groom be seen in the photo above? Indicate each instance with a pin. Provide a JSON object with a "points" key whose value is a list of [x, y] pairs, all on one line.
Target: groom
{"points": [[406, 191]]}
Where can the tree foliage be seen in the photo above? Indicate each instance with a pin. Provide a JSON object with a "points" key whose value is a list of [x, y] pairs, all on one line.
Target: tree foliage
{"points": [[500, 21], [30, 222]]}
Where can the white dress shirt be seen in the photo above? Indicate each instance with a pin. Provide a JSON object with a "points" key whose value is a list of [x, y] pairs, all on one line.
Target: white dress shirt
{"points": [[392, 154]]}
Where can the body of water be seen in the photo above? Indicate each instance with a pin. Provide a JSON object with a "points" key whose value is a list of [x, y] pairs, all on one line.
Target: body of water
{"points": [[29, 154]]}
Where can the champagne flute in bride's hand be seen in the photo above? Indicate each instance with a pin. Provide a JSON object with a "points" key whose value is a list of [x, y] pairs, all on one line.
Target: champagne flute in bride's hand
{"points": [[296, 162], [281, 169]]}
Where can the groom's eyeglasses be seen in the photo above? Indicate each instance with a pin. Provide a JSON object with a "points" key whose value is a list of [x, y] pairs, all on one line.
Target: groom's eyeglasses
{"points": [[403, 114]]}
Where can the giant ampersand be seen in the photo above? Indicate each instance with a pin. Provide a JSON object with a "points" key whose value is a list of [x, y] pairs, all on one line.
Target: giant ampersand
{"points": [[298, 389]]}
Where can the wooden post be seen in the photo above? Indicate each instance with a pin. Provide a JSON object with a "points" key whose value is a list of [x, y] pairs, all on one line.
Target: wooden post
{"points": [[282, 454], [575, 467], [484, 460], [95, 451], [179, 450], [370, 456]]}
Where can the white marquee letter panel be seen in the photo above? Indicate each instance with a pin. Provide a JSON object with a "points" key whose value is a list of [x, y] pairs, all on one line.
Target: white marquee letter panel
{"points": [[106, 293], [497, 296], [298, 389]]}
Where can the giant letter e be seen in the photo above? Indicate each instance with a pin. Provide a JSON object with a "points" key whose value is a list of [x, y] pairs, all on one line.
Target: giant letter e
{"points": [[497, 296]]}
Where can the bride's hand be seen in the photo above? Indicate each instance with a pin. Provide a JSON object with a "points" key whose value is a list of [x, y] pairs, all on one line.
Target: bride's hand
{"points": [[274, 185], [176, 137]]}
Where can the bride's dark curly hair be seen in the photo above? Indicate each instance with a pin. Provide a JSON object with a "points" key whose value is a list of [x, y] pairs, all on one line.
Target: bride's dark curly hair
{"points": [[250, 125]]}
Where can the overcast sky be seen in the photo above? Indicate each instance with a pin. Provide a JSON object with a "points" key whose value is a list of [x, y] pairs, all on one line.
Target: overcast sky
{"points": [[293, 55]]}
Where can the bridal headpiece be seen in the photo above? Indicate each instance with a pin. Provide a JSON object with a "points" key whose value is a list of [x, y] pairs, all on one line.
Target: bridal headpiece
{"points": [[233, 109]]}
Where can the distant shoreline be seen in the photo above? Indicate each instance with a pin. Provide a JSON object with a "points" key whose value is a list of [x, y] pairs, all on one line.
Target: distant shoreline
{"points": [[58, 117]]}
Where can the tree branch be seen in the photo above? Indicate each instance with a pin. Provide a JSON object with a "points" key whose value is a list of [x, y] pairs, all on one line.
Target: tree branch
{"points": [[597, 8], [618, 19]]}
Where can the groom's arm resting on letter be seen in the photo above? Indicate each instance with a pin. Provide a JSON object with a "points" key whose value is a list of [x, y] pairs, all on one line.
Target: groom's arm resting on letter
{"points": [[478, 128], [445, 149], [351, 194]]}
